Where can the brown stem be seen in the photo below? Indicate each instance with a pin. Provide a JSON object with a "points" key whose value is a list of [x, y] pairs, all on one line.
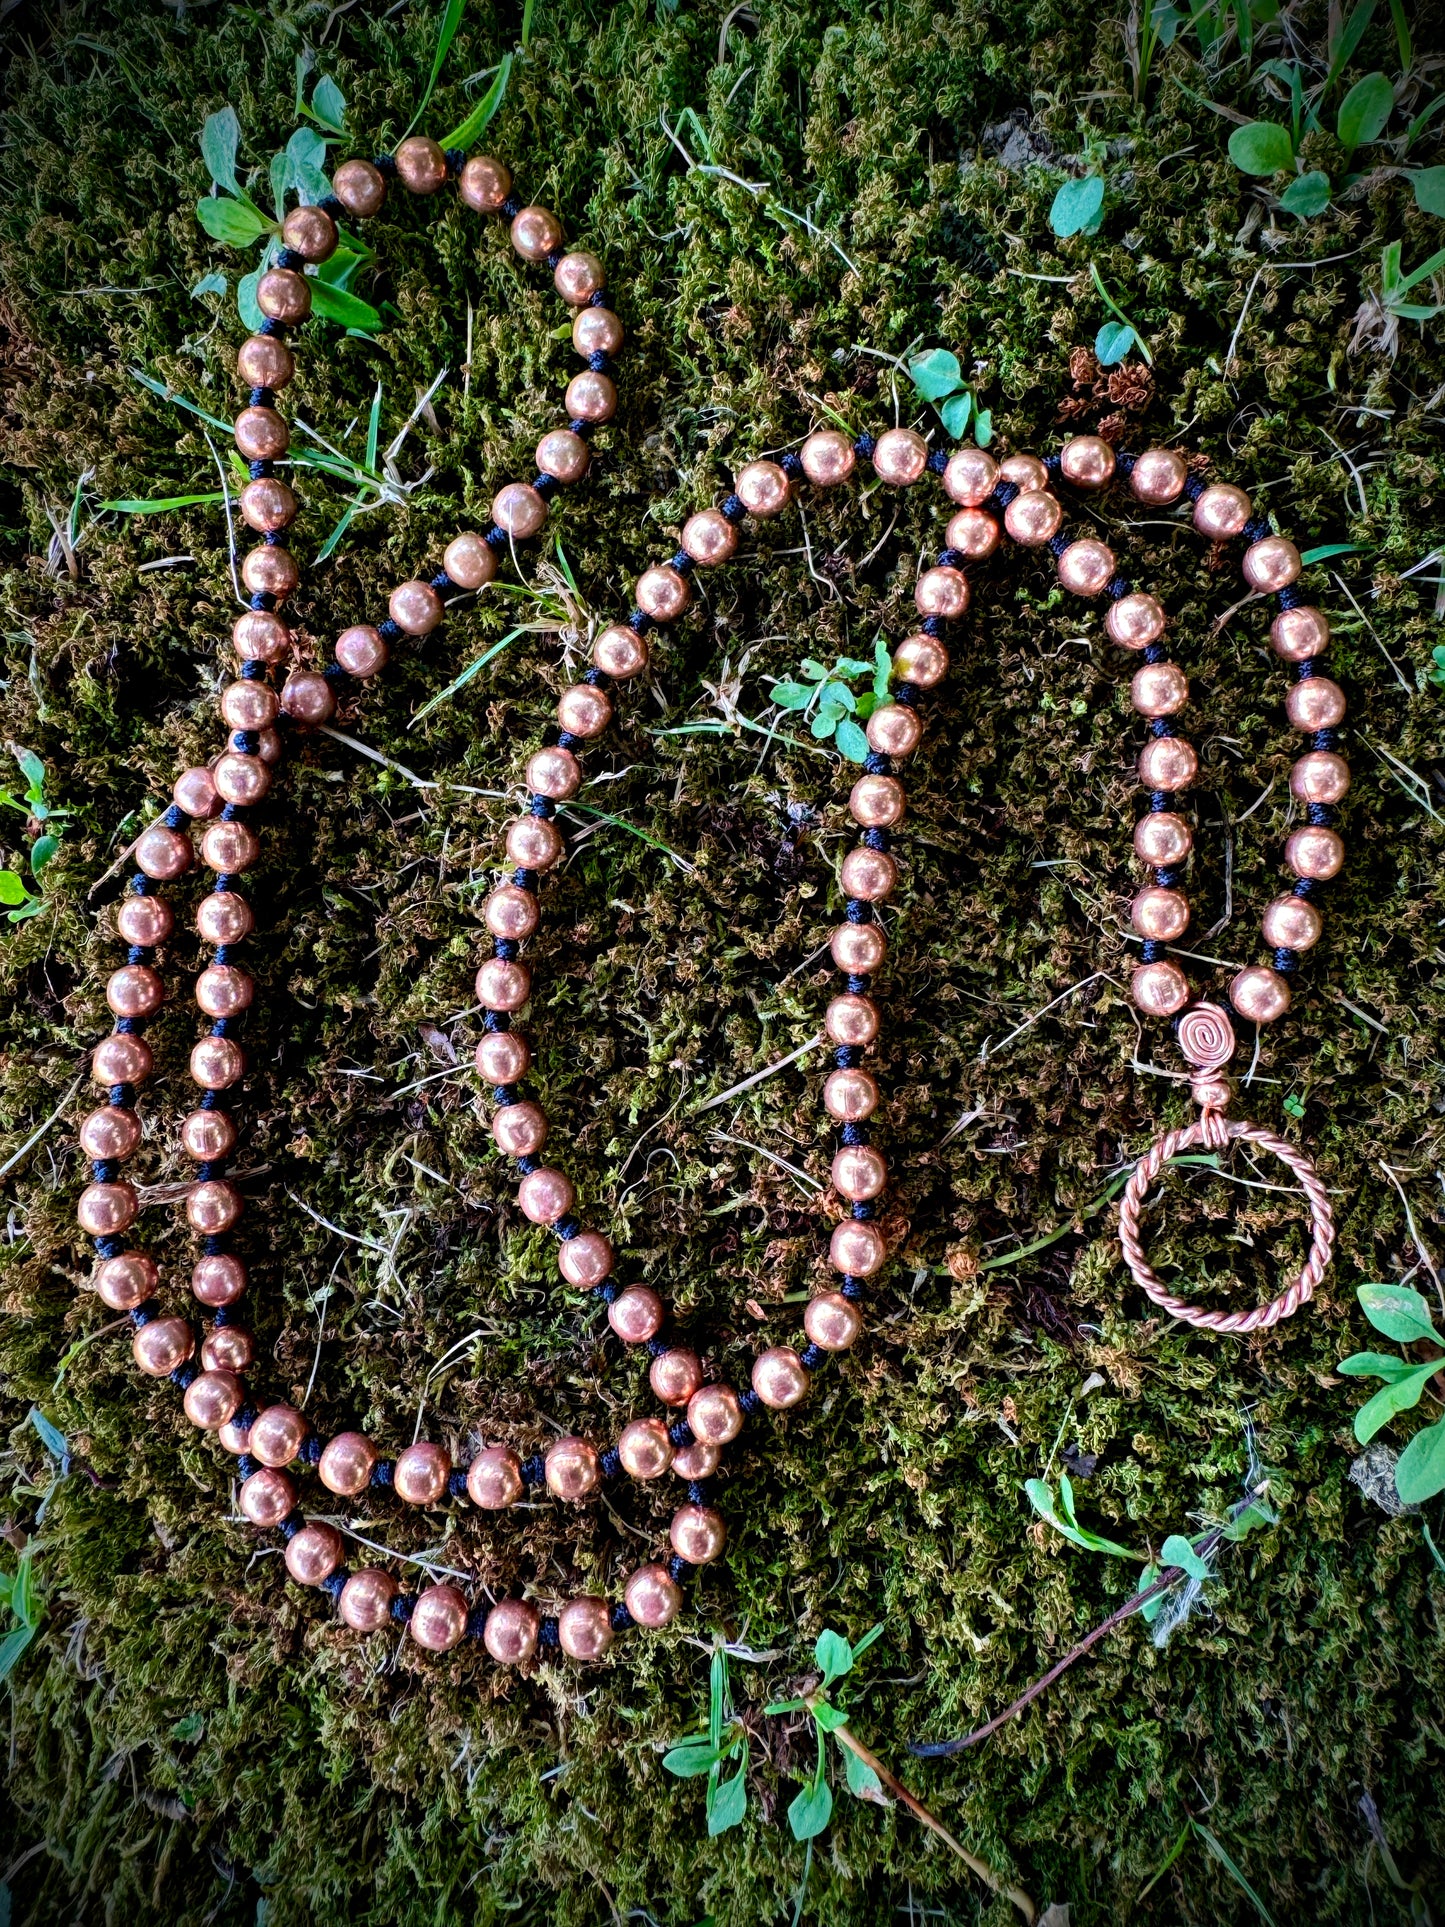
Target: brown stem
{"points": [[1171, 1575], [895, 1786]]}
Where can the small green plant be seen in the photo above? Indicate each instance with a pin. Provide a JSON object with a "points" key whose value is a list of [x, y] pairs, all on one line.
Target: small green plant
{"points": [[46, 841], [1436, 672], [939, 380], [1402, 1314], [1117, 339], [725, 1741], [812, 1808], [1078, 207], [1210, 21], [19, 1598], [836, 711]]}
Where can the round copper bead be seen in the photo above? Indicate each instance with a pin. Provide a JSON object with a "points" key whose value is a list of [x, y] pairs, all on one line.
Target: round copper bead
{"points": [[262, 361], [828, 458], [307, 698], [877, 802], [653, 1597], [584, 1261], [503, 1057], [105, 1210], [1159, 914], [193, 791], [900, 457], [277, 1435], [583, 710], [266, 1498], [365, 1602], [584, 1629], [267, 505], [519, 1130], [697, 1533], [511, 912], [240, 779], [313, 1554], [1300, 633], [213, 1206], [1316, 703], [1086, 567], [763, 489], [578, 276], [1158, 476], [519, 509], [590, 397], [1087, 461], [858, 948], [270, 571], [503, 984], [494, 1479], [922, 660], [1159, 989], [970, 477], [163, 853], [1134, 621], [596, 331], [121, 1059], [662, 593], [635, 1315], [260, 636], [714, 1414], [536, 233], [1162, 839], [261, 434], [674, 1376], [208, 1135], [1320, 776], [224, 917], [135, 990], [697, 1461], [421, 166], [126, 1281], [438, 1619], [1027, 473], [484, 184], [249, 705], [973, 534], [1315, 852], [1159, 689], [217, 1063], [709, 538], [361, 650], [213, 1397], [110, 1134], [1168, 763], [218, 1279], [851, 1019], [420, 1474], [868, 875], [347, 1463], [859, 1172], [228, 848], [893, 730], [163, 1346], [857, 1249], [360, 187], [832, 1322], [1260, 994], [554, 773], [283, 295], [310, 232], [1291, 923], [469, 561], [1222, 511], [1271, 565], [563, 454], [941, 592], [850, 1096], [415, 607], [645, 1449], [572, 1469], [620, 652], [1033, 518], [144, 920], [229, 1348], [780, 1378], [546, 1195], [510, 1634]]}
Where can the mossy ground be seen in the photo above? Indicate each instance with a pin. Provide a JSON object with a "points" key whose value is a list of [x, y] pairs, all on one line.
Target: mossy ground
{"points": [[189, 1739]]}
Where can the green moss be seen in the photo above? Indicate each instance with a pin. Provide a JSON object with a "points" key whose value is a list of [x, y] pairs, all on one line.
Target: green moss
{"points": [[332, 1781]]}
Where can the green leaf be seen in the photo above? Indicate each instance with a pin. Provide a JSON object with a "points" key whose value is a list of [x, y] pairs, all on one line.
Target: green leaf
{"points": [[862, 1780], [33, 770], [1400, 1395], [1042, 1500], [1420, 1471], [691, 1758], [280, 177], [1387, 1365], [1250, 1518], [1398, 1312], [191, 1727], [825, 721], [1078, 207], [1307, 196], [792, 695], [1112, 343], [785, 1706], [471, 129], [860, 1646], [1426, 268], [1429, 185], [51, 1436], [828, 1718], [1151, 1608], [1177, 1551], [247, 305], [1327, 549], [220, 143], [850, 739], [1364, 111], [935, 374], [833, 1655], [342, 269], [814, 671], [14, 1644], [1261, 147], [328, 104], [446, 34], [209, 284], [12, 889], [373, 428], [955, 412], [837, 693], [158, 504], [983, 426], [811, 1811], [1216, 1848], [335, 304], [727, 1804], [41, 851]]}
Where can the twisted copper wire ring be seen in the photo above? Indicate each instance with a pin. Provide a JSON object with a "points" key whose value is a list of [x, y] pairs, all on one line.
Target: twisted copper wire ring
{"points": [[1214, 1131]]}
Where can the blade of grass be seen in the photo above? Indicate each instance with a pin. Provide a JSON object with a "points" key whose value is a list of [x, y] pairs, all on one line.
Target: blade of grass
{"points": [[1216, 1847], [472, 669], [621, 823], [476, 122], [157, 504], [446, 34], [172, 395]]}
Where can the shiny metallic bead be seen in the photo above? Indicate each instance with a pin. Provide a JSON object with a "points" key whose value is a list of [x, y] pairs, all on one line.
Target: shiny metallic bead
{"points": [[135, 990], [313, 1553], [1159, 689], [1320, 776], [645, 1449], [121, 1059], [510, 912], [503, 1056], [126, 1281], [696, 1461], [941, 592], [1027, 473], [1135, 620], [970, 478], [762, 488], [144, 920], [229, 848], [572, 1468], [1086, 567], [503, 984], [596, 331], [494, 1479], [851, 1019], [484, 184], [546, 1195], [217, 1063], [850, 1096], [877, 802], [193, 791], [1159, 914], [1300, 633], [260, 636], [868, 875], [921, 660], [620, 652], [1316, 703], [105, 1210], [714, 1414], [163, 1346], [709, 538], [469, 561], [563, 454], [1290, 923], [519, 509], [584, 710], [1162, 839], [584, 1629], [360, 187], [859, 1172], [263, 361], [266, 1498], [586, 1260], [1159, 989], [973, 534], [554, 773], [361, 650], [1033, 518], [365, 1602], [636, 1315], [858, 948], [1087, 461], [224, 917], [284, 295], [218, 1279], [662, 593], [510, 1634], [1222, 511], [578, 276], [1158, 476], [420, 1474], [229, 1348], [212, 1398], [224, 991], [536, 233], [832, 1322], [1314, 851], [1271, 565], [653, 1597], [827, 457], [438, 1619], [311, 233], [240, 779], [900, 457], [110, 1134], [307, 698], [1168, 763], [780, 1378], [248, 705], [533, 843], [520, 1130], [421, 166], [415, 607], [698, 1534], [163, 854], [590, 397], [893, 730], [347, 1463], [674, 1376], [270, 571], [267, 505], [857, 1248], [261, 434], [277, 1435], [1260, 994]]}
